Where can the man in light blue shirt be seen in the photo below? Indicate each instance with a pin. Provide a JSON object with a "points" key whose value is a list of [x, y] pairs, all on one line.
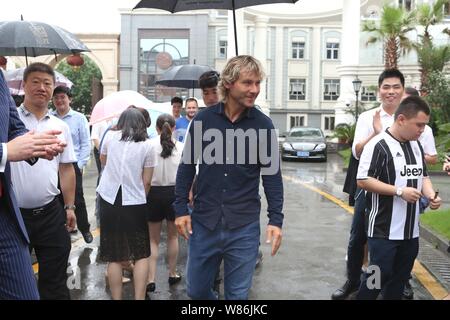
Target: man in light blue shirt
{"points": [[79, 129], [182, 124]]}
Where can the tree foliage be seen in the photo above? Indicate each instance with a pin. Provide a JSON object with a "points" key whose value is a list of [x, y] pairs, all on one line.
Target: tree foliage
{"points": [[82, 81], [392, 30], [430, 57], [438, 97]]}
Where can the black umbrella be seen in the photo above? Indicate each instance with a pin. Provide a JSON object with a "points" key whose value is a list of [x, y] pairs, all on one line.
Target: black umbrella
{"points": [[183, 76], [30, 38], [186, 5]]}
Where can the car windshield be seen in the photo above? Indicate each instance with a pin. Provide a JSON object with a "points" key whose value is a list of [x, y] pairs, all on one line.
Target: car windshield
{"points": [[310, 133]]}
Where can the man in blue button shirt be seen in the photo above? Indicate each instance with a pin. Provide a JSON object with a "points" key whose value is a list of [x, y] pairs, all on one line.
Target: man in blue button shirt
{"points": [[234, 144], [79, 129]]}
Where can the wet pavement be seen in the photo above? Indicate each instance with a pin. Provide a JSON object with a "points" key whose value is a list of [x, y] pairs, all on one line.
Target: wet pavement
{"points": [[310, 264]]}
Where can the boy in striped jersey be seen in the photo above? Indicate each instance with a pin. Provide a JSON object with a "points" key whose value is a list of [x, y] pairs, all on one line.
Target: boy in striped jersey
{"points": [[392, 170]]}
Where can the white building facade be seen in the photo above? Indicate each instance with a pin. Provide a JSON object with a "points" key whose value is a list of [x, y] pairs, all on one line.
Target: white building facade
{"points": [[311, 53]]}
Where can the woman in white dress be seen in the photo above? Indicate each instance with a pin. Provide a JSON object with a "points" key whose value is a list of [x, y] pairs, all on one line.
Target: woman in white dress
{"points": [[129, 159]]}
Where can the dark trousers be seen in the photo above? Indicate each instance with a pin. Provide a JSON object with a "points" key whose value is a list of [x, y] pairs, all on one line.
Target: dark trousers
{"points": [[97, 161], [51, 242], [358, 238], [98, 164], [80, 211], [395, 260]]}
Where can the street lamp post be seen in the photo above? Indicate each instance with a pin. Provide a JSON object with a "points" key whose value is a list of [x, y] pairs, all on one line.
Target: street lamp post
{"points": [[356, 88]]}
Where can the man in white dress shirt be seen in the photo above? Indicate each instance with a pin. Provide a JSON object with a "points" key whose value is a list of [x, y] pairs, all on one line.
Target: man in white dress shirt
{"points": [[36, 187]]}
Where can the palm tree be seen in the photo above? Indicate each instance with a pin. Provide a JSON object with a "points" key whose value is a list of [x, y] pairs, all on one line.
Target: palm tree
{"points": [[392, 30], [431, 58], [428, 15]]}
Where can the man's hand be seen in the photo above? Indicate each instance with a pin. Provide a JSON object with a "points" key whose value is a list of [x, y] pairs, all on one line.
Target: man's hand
{"points": [[53, 150], [33, 145], [184, 226], [411, 195], [435, 203], [273, 235], [377, 126], [71, 220]]}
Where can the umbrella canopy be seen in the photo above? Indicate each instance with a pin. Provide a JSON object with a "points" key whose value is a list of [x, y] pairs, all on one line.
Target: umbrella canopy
{"points": [[14, 78], [115, 103], [187, 5], [30, 38], [183, 76]]}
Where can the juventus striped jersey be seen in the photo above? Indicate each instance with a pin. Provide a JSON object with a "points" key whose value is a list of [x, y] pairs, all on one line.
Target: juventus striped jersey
{"points": [[400, 164]]}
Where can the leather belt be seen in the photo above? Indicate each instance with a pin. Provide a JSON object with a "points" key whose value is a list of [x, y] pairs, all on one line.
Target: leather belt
{"points": [[39, 210]]}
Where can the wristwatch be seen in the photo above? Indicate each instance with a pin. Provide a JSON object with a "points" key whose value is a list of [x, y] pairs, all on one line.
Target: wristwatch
{"points": [[69, 207], [399, 192]]}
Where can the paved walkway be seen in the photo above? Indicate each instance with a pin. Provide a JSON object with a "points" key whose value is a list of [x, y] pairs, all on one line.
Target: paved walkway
{"points": [[309, 266]]}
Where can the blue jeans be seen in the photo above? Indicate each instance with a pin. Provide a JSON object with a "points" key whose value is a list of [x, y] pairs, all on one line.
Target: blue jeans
{"points": [[358, 238], [395, 259], [238, 248]]}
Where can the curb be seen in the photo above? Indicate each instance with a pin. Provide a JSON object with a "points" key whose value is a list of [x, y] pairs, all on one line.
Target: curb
{"points": [[438, 241]]}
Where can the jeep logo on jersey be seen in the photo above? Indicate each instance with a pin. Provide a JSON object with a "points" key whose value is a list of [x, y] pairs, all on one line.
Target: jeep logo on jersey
{"points": [[411, 170]]}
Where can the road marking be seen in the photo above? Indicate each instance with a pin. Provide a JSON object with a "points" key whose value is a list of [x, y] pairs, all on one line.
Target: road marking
{"points": [[322, 193], [437, 291]]}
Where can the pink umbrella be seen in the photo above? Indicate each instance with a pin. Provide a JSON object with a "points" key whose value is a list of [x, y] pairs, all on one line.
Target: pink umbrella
{"points": [[14, 79], [115, 103]]}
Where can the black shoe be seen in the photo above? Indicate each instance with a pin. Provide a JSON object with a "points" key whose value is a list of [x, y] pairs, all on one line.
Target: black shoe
{"points": [[259, 259], [408, 292], [347, 289], [151, 287], [87, 236], [173, 280], [74, 231]]}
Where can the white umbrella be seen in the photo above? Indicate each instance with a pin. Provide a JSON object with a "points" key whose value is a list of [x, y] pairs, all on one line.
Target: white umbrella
{"points": [[14, 79], [115, 103]]}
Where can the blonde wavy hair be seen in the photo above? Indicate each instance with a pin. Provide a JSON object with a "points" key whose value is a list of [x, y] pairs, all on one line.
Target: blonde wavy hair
{"points": [[232, 71]]}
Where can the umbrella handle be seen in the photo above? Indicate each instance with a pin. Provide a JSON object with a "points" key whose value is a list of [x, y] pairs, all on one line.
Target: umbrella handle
{"points": [[235, 32]]}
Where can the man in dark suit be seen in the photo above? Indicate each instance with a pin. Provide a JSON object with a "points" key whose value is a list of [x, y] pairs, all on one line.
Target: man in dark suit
{"points": [[16, 274]]}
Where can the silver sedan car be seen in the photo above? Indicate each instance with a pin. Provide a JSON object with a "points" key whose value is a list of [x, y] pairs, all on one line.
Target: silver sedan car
{"points": [[304, 143]]}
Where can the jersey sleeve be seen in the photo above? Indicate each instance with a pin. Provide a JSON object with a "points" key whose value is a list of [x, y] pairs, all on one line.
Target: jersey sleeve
{"points": [[373, 159]]}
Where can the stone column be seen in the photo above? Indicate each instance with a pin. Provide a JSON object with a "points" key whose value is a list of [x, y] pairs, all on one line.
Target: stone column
{"points": [[315, 57], [261, 55], [278, 60], [348, 70]]}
